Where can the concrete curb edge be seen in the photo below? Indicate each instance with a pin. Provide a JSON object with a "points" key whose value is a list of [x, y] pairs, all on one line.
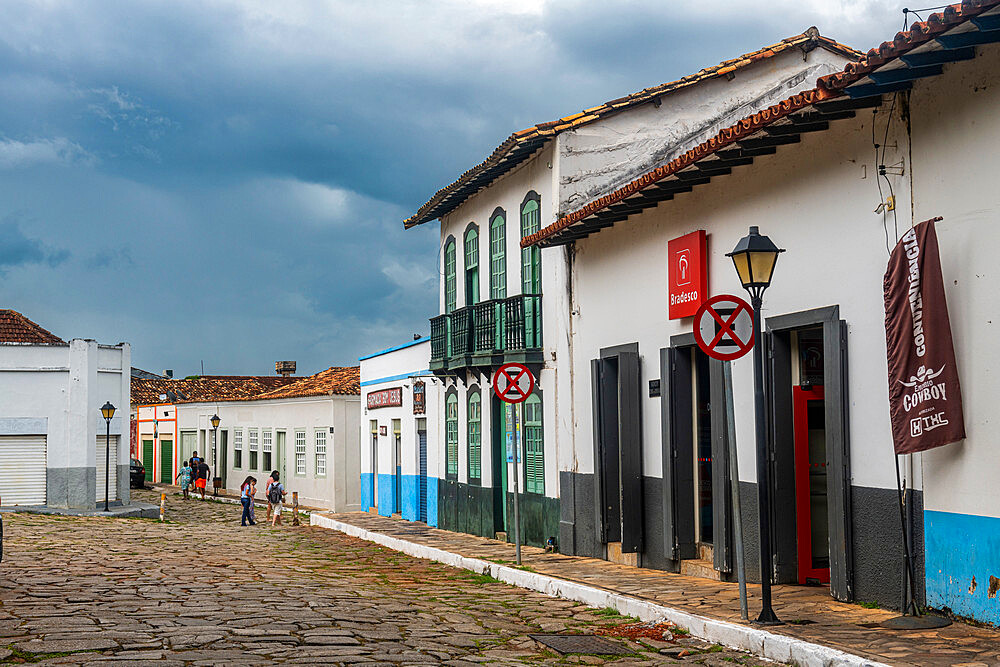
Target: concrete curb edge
{"points": [[759, 642]]}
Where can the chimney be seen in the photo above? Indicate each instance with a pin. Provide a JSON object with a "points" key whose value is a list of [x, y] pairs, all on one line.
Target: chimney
{"points": [[168, 374], [284, 368]]}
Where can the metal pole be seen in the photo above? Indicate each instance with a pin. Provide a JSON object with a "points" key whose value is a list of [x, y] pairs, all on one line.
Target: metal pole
{"points": [[767, 615], [516, 408], [215, 460], [909, 581], [107, 464], [734, 488]]}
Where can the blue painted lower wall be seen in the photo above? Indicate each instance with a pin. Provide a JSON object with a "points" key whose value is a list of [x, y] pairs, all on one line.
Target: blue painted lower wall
{"points": [[963, 564], [367, 490], [409, 498]]}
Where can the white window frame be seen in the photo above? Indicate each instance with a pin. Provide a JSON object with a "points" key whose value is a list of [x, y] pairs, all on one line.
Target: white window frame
{"points": [[238, 448], [319, 450], [300, 453], [253, 442]]}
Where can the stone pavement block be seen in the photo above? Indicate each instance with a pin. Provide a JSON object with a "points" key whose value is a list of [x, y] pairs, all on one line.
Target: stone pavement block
{"points": [[63, 645]]}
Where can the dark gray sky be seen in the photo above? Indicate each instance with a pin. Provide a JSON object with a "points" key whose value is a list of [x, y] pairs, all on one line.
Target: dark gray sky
{"points": [[226, 181]]}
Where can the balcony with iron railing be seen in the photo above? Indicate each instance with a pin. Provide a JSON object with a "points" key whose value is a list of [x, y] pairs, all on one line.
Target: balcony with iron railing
{"points": [[488, 334]]}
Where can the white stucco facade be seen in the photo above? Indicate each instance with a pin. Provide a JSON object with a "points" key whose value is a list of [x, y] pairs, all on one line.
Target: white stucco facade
{"points": [[52, 395]]}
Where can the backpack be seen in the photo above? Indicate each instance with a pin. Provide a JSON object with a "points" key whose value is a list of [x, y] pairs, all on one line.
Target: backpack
{"points": [[274, 494]]}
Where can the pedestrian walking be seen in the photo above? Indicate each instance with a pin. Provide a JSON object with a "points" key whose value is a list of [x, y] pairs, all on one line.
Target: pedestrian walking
{"points": [[267, 493], [185, 478], [201, 478], [253, 507], [246, 497], [276, 495]]}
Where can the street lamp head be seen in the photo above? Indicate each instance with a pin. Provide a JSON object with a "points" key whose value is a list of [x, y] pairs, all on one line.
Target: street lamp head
{"points": [[108, 410], [754, 257], [215, 421]]}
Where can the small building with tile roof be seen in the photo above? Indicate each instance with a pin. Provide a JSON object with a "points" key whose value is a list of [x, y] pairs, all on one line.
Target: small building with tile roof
{"points": [[501, 302], [306, 428], [53, 438]]}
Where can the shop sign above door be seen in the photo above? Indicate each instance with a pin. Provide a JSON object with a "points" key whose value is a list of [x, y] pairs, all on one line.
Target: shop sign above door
{"points": [[687, 273], [419, 397], [385, 398]]}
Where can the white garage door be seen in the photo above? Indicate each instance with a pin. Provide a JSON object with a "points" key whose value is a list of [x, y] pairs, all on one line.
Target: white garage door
{"points": [[113, 482], [22, 469]]}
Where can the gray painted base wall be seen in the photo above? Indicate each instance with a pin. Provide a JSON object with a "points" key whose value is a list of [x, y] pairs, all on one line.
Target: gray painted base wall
{"points": [[878, 550], [70, 488]]}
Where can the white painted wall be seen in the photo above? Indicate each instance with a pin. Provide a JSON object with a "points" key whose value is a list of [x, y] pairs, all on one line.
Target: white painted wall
{"points": [[338, 490], [956, 138], [601, 157], [64, 387], [815, 199]]}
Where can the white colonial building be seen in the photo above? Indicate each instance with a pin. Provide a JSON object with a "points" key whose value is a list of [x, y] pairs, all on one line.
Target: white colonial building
{"points": [[53, 437], [502, 303], [400, 406], [305, 428]]}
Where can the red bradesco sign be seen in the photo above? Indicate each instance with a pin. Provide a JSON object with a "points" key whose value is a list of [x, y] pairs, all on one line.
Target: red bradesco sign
{"points": [[687, 273]]}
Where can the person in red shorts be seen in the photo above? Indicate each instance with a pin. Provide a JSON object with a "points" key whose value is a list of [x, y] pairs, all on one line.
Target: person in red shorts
{"points": [[202, 478]]}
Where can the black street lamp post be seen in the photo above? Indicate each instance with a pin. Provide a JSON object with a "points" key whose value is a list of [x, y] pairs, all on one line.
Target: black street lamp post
{"points": [[754, 257], [215, 456], [107, 411]]}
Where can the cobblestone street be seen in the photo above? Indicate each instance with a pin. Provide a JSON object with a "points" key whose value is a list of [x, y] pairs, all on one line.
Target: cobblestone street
{"points": [[202, 590]]}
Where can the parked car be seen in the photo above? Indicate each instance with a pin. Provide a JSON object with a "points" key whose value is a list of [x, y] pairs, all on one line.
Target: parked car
{"points": [[137, 474]]}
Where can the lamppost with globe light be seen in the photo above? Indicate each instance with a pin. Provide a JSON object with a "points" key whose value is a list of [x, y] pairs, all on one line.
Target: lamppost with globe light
{"points": [[107, 411]]}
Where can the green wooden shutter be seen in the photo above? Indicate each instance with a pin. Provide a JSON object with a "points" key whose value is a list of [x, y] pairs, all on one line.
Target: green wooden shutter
{"points": [[498, 258], [534, 457], [449, 276], [471, 266], [451, 435], [475, 438]]}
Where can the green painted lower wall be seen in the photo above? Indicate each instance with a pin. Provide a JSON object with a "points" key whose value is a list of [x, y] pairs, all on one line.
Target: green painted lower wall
{"points": [[465, 508]]}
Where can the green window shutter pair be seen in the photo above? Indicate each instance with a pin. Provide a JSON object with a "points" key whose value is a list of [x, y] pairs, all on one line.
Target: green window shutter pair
{"points": [[449, 276], [498, 257], [475, 438], [531, 260], [471, 266], [451, 434]]}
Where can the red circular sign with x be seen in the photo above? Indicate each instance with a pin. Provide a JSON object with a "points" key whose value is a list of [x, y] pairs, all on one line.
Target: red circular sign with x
{"points": [[723, 327], [513, 383]]}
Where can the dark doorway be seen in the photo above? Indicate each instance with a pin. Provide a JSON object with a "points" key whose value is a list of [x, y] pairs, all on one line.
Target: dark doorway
{"points": [[223, 456], [618, 449], [811, 476], [498, 454]]}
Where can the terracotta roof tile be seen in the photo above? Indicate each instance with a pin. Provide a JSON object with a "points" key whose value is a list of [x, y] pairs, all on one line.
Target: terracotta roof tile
{"points": [[344, 380], [16, 328], [519, 145], [827, 87], [209, 388]]}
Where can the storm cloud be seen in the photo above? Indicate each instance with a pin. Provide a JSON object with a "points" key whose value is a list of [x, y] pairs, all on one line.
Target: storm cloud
{"points": [[226, 181]]}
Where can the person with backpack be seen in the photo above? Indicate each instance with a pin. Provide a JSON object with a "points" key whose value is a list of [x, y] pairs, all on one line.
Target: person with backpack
{"points": [[267, 489], [275, 496]]}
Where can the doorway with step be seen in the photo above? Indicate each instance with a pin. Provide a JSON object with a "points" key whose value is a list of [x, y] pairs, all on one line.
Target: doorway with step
{"points": [[616, 395]]}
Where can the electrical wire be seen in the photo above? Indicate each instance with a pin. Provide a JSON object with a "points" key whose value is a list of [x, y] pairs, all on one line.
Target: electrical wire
{"points": [[878, 182], [906, 11]]}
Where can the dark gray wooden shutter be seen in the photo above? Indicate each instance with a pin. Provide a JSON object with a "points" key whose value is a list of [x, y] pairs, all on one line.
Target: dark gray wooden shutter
{"points": [[838, 449], [781, 449], [630, 450], [667, 452], [595, 390], [682, 437], [721, 499]]}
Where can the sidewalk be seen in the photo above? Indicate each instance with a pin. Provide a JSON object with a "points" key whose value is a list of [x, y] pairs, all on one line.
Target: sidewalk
{"points": [[709, 609]]}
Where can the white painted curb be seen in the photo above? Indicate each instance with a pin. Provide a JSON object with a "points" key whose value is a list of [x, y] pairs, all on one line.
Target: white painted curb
{"points": [[757, 641]]}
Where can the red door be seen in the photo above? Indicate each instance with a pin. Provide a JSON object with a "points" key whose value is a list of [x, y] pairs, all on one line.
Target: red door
{"points": [[810, 485]]}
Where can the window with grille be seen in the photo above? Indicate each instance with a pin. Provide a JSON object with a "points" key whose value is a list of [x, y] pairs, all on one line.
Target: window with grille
{"points": [[534, 450], [300, 453], [253, 440], [451, 435], [449, 275], [498, 256], [475, 437], [237, 448], [531, 257], [267, 449], [320, 443]]}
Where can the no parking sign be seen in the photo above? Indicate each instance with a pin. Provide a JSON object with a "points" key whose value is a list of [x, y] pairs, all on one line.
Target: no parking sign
{"points": [[723, 327]]}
